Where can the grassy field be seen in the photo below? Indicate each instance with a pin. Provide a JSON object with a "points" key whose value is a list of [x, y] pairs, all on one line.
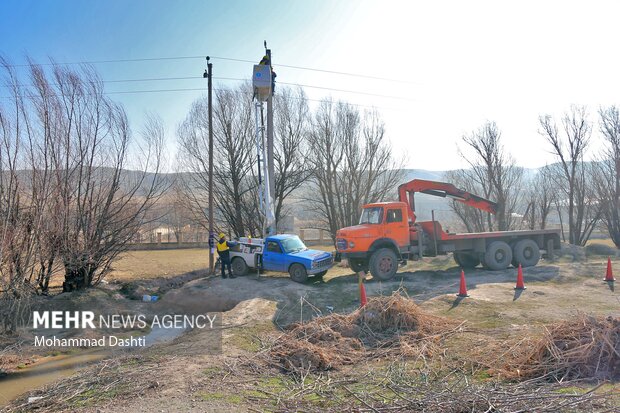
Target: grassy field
{"points": [[159, 263], [603, 241]]}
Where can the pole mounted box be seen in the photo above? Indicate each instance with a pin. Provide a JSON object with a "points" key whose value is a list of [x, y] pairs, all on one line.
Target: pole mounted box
{"points": [[261, 80]]}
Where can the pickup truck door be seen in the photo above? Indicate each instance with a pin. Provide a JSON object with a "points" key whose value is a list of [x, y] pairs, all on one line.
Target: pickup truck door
{"points": [[396, 226], [273, 258]]}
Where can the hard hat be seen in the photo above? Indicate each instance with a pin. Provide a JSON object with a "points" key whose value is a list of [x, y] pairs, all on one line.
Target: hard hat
{"points": [[222, 235]]}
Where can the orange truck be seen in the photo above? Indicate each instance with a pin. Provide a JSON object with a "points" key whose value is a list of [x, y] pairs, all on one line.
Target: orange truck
{"points": [[388, 234]]}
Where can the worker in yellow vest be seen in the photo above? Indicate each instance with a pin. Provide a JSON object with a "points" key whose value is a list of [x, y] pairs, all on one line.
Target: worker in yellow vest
{"points": [[223, 250]]}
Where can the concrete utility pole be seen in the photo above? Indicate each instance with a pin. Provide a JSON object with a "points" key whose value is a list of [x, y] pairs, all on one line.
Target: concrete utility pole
{"points": [[270, 165], [209, 75]]}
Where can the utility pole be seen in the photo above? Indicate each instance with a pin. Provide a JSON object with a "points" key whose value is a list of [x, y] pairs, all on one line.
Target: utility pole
{"points": [[270, 164], [209, 75]]}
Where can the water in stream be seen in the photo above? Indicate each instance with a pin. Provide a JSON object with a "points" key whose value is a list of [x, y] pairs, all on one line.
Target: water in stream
{"points": [[50, 369], [43, 372]]}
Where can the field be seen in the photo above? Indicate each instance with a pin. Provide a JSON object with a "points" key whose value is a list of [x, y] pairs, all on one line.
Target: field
{"points": [[136, 265], [459, 367]]}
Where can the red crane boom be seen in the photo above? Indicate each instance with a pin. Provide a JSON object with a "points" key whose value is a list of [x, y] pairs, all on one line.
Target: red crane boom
{"points": [[442, 189]]}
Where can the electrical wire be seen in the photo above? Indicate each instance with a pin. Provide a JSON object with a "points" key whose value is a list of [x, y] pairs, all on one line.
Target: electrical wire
{"points": [[152, 59], [241, 80], [218, 90]]}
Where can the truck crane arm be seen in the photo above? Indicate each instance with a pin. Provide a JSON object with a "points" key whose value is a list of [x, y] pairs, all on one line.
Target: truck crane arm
{"points": [[407, 190]]}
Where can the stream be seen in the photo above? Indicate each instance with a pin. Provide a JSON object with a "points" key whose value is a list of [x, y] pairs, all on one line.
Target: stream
{"points": [[49, 369]]}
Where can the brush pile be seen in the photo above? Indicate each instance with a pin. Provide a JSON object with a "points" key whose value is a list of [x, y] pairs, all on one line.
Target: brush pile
{"points": [[385, 326], [585, 347]]}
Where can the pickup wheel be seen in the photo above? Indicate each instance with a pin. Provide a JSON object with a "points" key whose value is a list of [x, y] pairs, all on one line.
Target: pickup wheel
{"points": [[498, 256], [239, 267], [357, 265], [298, 273], [526, 253], [383, 264], [466, 260]]}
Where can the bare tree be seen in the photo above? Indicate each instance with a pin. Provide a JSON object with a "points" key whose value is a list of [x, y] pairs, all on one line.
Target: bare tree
{"points": [[608, 173], [493, 175], [572, 176], [540, 197], [236, 170], [27, 245], [71, 198], [177, 214], [292, 119], [352, 164], [233, 128]]}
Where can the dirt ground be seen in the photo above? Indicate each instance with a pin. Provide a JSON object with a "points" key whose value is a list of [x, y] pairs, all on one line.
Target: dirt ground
{"points": [[177, 376]]}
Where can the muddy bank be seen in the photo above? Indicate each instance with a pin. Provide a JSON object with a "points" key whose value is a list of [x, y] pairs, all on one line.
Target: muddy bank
{"points": [[43, 371]]}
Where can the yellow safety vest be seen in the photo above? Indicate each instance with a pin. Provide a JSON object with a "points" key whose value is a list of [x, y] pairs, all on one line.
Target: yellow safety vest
{"points": [[222, 246]]}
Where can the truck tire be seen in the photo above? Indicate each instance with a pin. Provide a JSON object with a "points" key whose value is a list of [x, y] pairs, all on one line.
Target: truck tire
{"points": [[498, 256], [298, 273], [466, 260], [357, 264], [526, 253], [383, 264], [239, 267]]}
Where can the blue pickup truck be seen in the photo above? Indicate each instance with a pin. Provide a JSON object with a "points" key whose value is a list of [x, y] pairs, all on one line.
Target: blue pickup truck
{"points": [[282, 253]]}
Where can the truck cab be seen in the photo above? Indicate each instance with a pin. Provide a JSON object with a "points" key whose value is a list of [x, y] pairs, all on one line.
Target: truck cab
{"points": [[379, 240], [281, 253]]}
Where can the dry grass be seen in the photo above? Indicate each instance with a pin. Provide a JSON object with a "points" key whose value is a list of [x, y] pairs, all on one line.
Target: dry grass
{"points": [[604, 241], [159, 263]]}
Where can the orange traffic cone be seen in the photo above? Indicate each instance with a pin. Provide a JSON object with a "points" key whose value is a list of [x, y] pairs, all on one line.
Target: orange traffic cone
{"points": [[463, 287], [363, 299], [609, 276], [520, 284]]}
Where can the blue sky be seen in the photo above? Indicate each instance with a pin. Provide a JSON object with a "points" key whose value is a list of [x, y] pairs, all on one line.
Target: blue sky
{"points": [[457, 63]]}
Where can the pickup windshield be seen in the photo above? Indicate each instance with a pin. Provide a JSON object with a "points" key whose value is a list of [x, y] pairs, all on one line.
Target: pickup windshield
{"points": [[372, 215], [293, 244]]}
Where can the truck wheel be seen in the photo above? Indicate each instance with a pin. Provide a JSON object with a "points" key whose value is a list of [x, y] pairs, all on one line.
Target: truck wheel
{"points": [[498, 256], [239, 267], [319, 275], [357, 265], [383, 264], [526, 253], [298, 273], [466, 260]]}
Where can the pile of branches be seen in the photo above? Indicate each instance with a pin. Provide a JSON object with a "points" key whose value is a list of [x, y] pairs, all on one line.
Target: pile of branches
{"points": [[386, 325], [585, 347]]}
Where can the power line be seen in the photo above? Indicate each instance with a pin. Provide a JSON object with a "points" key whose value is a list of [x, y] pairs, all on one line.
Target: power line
{"points": [[216, 89], [95, 62], [241, 80], [320, 70], [152, 59], [347, 91], [247, 80]]}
